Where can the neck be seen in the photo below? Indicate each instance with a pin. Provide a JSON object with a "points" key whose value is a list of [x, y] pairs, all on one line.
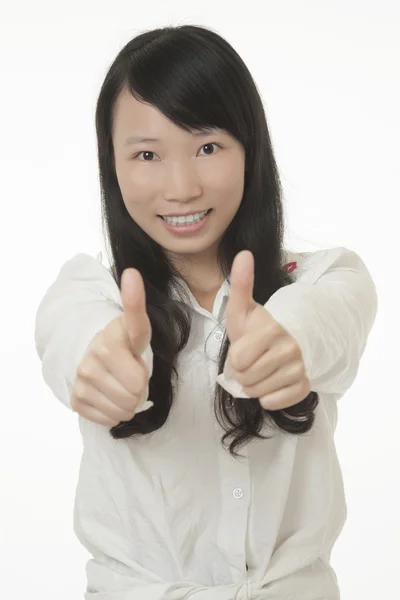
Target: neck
{"points": [[201, 273]]}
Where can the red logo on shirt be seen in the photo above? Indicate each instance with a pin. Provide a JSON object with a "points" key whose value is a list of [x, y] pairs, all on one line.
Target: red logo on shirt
{"points": [[290, 267]]}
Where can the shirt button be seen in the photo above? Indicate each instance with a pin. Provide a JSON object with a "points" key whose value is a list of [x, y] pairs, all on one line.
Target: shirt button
{"points": [[238, 493], [218, 335]]}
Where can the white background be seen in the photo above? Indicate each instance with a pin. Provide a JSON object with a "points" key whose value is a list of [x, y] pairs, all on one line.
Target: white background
{"points": [[329, 76]]}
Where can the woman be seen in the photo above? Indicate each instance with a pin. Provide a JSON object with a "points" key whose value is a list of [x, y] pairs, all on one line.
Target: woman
{"points": [[225, 483]]}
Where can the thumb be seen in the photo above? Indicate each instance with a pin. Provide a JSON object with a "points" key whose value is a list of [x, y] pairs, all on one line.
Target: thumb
{"points": [[137, 322], [240, 301]]}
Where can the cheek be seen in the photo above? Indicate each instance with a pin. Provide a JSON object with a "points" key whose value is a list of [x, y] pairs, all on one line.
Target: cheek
{"points": [[230, 195], [231, 180], [137, 196]]}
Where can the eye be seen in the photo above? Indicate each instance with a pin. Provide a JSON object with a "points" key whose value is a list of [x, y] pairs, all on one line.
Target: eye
{"points": [[211, 144], [150, 152], [144, 152]]}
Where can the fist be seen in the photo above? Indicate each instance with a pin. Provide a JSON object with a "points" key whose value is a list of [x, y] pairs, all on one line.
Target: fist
{"points": [[263, 357], [112, 378]]}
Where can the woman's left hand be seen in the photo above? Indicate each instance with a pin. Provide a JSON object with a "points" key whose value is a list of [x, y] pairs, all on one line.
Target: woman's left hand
{"points": [[266, 360]]}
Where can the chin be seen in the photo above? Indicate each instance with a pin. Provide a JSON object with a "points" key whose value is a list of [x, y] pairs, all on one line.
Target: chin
{"points": [[188, 247]]}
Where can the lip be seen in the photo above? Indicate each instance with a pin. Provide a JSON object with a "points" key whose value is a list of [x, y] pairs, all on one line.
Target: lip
{"points": [[191, 228], [194, 212]]}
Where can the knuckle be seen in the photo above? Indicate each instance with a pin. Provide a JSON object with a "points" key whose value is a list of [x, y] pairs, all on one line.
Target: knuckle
{"points": [[128, 416], [242, 378], [122, 414], [80, 390], [276, 329], [102, 350], [135, 387], [117, 416], [138, 381], [234, 358], [298, 369], [103, 419], [142, 382], [85, 370], [288, 351], [146, 374], [121, 410]]}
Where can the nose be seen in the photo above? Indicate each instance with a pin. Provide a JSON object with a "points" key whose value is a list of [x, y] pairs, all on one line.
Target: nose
{"points": [[181, 183]]}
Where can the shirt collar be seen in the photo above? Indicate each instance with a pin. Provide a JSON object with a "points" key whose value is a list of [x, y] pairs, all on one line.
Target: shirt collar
{"points": [[176, 289], [187, 297], [223, 291]]}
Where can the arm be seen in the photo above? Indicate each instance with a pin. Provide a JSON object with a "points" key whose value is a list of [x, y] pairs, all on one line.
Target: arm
{"points": [[330, 311], [83, 299]]}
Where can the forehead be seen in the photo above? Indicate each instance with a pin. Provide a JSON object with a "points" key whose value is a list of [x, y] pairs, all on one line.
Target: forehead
{"points": [[128, 108], [135, 120]]}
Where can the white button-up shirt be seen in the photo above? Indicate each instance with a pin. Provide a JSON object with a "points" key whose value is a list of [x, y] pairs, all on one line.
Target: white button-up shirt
{"points": [[171, 515]]}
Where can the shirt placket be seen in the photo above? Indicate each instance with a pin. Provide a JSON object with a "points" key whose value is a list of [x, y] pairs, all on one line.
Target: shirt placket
{"points": [[234, 475], [235, 493]]}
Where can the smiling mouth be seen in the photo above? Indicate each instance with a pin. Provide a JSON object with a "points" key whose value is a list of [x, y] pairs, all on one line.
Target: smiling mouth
{"points": [[176, 217]]}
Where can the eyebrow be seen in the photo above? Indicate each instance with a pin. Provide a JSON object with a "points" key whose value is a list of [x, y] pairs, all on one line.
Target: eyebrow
{"points": [[137, 139]]}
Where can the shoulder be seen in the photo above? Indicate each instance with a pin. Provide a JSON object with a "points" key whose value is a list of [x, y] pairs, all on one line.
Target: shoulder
{"points": [[91, 273], [309, 266], [86, 264]]}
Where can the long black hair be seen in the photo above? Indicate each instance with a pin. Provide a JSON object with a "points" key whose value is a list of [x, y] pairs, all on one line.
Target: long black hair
{"points": [[196, 79]]}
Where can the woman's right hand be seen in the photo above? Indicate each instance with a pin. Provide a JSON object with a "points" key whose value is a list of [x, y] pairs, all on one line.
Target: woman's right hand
{"points": [[112, 378]]}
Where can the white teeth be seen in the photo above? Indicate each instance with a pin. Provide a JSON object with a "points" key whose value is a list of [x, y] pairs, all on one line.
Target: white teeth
{"points": [[185, 220]]}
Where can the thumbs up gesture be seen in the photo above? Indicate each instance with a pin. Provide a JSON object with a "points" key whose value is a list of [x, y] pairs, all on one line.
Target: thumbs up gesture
{"points": [[112, 378], [264, 358]]}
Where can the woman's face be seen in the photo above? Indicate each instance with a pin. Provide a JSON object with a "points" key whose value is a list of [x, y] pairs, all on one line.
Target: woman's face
{"points": [[179, 173]]}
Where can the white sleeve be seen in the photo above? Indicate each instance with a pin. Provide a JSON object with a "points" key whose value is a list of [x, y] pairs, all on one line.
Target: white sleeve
{"points": [[330, 311], [83, 299]]}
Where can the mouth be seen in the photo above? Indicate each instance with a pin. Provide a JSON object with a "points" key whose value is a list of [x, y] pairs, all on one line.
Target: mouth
{"points": [[192, 224], [189, 219], [187, 215]]}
